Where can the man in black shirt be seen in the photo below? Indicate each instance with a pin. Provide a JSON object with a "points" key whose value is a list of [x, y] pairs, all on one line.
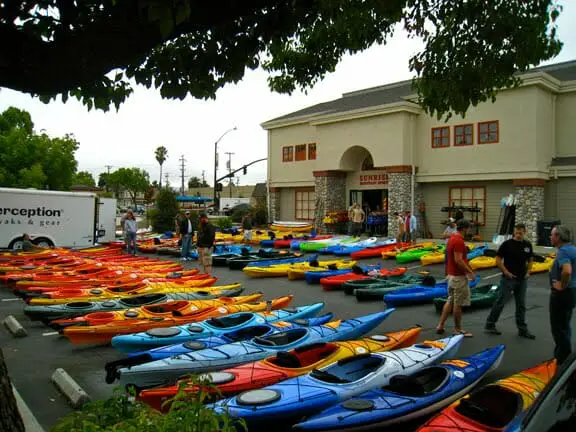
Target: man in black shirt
{"points": [[514, 258]]}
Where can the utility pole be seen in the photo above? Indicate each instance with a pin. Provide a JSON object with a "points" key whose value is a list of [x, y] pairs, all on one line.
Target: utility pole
{"points": [[182, 166], [108, 168], [229, 163], [203, 177], [216, 196], [167, 178]]}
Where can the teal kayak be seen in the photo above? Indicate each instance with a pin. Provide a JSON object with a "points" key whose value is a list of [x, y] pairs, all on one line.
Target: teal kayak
{"points": [[481, 297]]}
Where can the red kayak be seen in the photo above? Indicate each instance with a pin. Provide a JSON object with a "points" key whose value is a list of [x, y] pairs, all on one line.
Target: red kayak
{"points": [[376, 252], [285, 243], [335, 282]]}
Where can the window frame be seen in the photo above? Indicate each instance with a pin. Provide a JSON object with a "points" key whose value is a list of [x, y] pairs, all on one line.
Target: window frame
{"points": [[497, 122], [300, 152], [311, 210], [482, 214], [441, 137], [288, 154], [464, 134], [311, 151]]}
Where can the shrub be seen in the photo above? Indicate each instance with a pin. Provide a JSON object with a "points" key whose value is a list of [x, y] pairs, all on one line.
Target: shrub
{"points": [[186, 413], [260, 214], [224, 223], [167, 209]]}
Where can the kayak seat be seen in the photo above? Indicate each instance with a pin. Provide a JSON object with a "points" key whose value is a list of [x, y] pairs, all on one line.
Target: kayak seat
{"points": [[351, 369], [492, 406], [143, 299], [356, 269], [287, 360], [281, 339], [314, 263], [420, 384], [332, 267], [247, 333], [229, 321]]}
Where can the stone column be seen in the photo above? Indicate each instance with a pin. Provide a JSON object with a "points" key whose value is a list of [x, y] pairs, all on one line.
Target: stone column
{"points": [[530, 205], [330, 189], [274, 205], [399, 194]]}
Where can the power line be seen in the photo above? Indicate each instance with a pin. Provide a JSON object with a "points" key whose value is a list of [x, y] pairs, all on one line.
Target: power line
{"points": [[182, 167]]}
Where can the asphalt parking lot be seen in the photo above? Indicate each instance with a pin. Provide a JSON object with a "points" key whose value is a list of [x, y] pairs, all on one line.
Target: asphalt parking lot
{"points": [[32, 360]]}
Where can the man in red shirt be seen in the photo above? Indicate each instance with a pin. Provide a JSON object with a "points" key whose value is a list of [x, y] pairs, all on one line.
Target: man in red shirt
{"points": [[459, 273]]}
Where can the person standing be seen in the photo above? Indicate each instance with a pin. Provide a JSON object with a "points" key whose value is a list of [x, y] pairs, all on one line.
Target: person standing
{"points": [[563, 292], [130, 230], [459, 273], [205, 243], [358, 218], [514, 259], [450, 229], [186, 234], [247, 227], [401, 228], [411, 227]]}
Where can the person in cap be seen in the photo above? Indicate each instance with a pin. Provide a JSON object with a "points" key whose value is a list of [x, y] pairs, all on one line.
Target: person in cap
{"points": [[450, 229], [459, 273], [186, 234], [205, 243], [130, 230]]}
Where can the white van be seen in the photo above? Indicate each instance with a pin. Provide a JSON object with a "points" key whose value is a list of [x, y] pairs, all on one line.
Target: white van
{"points": [[52, 218]]}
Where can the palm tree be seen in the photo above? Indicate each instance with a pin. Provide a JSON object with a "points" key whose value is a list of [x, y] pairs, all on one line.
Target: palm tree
{"points": [[161, 154]]}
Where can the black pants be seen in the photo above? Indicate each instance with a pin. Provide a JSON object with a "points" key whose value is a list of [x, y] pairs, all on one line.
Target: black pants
{"points": [[507, 289], [561, 307]]}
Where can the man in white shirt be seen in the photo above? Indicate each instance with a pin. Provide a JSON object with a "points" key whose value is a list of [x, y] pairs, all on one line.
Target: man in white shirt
{"points": [[358, 218], [411, 227]]}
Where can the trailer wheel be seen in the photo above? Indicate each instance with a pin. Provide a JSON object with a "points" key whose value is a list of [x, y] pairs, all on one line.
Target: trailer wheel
{"points": [[43, 242], [16, 244]]}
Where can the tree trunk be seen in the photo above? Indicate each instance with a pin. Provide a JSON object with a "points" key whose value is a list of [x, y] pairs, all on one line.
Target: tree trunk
{"points": [[160, 184], [10, 420]]}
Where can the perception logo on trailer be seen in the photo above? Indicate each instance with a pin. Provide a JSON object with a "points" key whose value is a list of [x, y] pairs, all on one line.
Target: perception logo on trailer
{"points": [[30, 212]]}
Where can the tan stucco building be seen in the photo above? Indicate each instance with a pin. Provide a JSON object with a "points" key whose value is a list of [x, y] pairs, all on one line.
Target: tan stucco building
{"points": [[378, 147]]}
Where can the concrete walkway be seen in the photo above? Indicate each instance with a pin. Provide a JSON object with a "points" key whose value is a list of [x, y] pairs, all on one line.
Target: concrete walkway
{"points": [[30, 422]]}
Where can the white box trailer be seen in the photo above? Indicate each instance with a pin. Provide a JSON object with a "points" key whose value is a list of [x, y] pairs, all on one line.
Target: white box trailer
{"points": [[228, 203], [51, 218]]}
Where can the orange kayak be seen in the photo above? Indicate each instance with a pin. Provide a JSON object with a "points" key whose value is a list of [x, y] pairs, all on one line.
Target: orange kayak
{"points": [[275, 369], [104, 333], [493, 407]]}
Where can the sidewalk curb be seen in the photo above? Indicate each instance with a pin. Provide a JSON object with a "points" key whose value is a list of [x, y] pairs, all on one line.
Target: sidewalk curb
{"points": [[30, 422]]}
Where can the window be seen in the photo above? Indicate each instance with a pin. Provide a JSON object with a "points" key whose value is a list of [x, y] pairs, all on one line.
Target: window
{"points": [[300, 152], [488, 132], [367, 163], [441, 137], [463, 135], [305, 203], [287, 154], [312, 151], [469, 197]]}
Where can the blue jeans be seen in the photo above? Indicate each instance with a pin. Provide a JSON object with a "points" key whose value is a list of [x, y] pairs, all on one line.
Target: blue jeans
{"points": [[186, 242], [507, 289], [131, 243], [561, 306]]}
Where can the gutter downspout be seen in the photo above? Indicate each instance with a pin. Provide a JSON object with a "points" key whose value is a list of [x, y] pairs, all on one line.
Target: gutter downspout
{"points": [[268, 162], [413, 176]]}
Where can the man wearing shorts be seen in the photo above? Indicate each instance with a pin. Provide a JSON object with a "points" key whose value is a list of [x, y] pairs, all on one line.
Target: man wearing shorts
{"points": [[459, 272], [205, 243], [247, 227]]}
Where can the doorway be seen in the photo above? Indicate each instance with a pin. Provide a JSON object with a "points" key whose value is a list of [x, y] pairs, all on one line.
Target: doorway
{"points": [[374, 200]]}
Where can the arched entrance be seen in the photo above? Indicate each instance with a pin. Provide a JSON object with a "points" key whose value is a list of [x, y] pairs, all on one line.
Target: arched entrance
{"points": [[356, 158]]}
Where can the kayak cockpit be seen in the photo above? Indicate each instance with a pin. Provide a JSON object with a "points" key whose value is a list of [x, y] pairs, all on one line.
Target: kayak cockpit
{"points": [[304, 356], [349, 370], [420, 384], [247, 333], [282, 338], [229, 321], [493, 406]]}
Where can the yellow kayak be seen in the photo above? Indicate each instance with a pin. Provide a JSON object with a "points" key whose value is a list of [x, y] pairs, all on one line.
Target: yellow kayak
{"points": [[438, 257], [482, 262], [299, 273], [541, 267], [281, 270]]}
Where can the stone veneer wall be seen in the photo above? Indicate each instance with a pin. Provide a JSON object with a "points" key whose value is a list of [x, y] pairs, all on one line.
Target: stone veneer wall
{"points": [[530, 208], [399, 198], [274, 205], [330, 189]]}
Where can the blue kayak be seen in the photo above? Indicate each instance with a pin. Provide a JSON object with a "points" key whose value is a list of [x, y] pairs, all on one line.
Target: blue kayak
{"points": [[408, 397], [476, 252], [346, 250], [167, 371], [292, 399], [313, 277], [216, 326], [419, 294], [242, 334]]}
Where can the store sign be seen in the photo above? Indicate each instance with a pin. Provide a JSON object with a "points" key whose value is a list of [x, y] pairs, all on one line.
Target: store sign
{"points": [[373, 179]]}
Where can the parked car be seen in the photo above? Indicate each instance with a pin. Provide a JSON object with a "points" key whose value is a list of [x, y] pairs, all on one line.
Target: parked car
{"points": [[240, 207]]}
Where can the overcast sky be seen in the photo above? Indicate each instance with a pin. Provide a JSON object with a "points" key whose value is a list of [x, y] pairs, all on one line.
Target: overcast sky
{"points": [[128, 137]]}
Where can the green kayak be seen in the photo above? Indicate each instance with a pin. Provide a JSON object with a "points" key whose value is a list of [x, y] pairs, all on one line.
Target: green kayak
{"points": [[482, 297], [416, 254], [377, 291], [405, 279]]}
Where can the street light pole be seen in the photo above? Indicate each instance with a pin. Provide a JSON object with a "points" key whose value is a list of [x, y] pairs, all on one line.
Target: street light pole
{"points": [[216, 203]]}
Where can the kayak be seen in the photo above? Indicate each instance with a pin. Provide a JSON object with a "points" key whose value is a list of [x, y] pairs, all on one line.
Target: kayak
{"points": [[315, 276], [541, 266], [440, 256], [168, 371], [416, 254], [285, 365], [493, 407], [392, 252], [300, 273], [103, 333], [481, 297], [70, 310], [371, 243], [419, 294], [482, 262], [376, 251], [406, 279], [378, 291], [281, 270], [287, 241], [344, 249], [254, 260], [155, 311], [408, 396], [290, 400], [290, 226], [100, 294], [231, 336], [336, 282], [211, 327], [315, 245]]}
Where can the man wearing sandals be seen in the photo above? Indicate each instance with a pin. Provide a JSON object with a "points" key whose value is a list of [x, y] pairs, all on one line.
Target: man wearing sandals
{"points": [[514, 259], [458, 273]]}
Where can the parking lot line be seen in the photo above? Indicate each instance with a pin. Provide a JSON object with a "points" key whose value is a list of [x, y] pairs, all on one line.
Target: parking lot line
{"points": [[11, 299], [491, 276], [53, 333], [415, 267]]}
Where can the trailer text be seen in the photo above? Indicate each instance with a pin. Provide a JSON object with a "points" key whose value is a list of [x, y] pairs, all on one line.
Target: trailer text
{"points": [[30, 212]]}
